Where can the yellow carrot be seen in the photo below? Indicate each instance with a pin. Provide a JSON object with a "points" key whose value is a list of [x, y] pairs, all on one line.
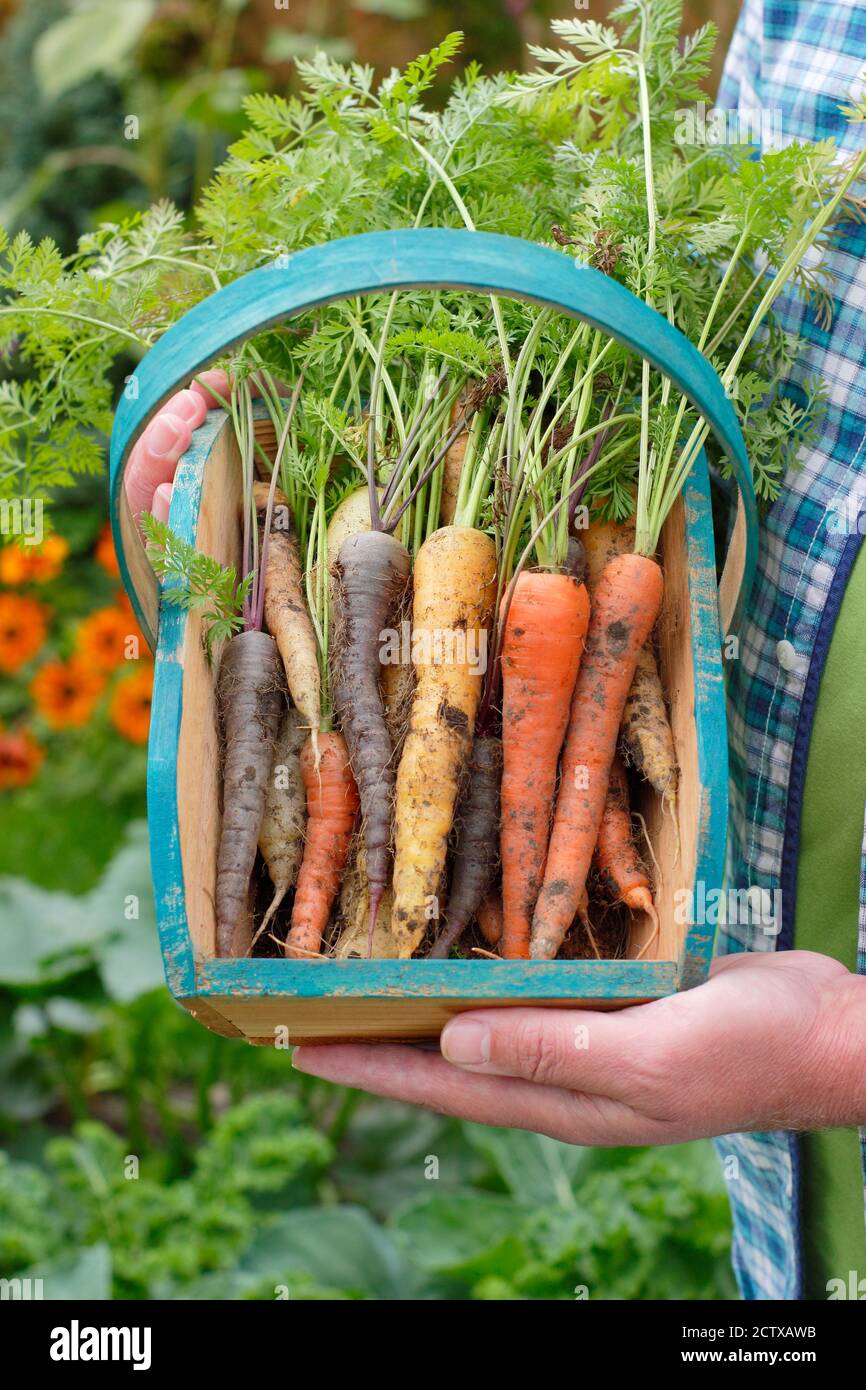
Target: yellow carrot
{"points": [[455, 572]]}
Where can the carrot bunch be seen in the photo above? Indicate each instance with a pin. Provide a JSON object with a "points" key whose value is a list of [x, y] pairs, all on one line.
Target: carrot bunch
{"points": [[438, 667]]}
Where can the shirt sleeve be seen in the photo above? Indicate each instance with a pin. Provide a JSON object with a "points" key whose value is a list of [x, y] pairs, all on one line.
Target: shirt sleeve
{"points": [[740, 87]]}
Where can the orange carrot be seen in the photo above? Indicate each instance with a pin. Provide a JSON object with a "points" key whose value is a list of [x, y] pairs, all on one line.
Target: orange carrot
{"points": [[627, 603], [645, 737], [616, 856], [332, 805], [489, 918], [542, 645]]}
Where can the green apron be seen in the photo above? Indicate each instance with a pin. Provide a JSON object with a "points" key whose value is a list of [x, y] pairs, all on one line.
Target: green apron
{"points": [[826, 920]]}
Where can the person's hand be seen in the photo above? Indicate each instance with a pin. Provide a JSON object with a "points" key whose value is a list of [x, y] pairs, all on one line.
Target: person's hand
{"points": [[155, 456], [769, 1042]]}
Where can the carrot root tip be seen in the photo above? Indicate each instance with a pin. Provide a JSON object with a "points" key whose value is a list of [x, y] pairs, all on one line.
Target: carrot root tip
{"points": [[375, 903], [670, 807], [269, 916], [641, 900], [583, 916]]}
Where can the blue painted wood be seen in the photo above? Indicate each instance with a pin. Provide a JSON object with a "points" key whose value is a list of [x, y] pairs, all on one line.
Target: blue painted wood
{"points": [[433, 979], [167, 706], [710, 719], [417, 258]]}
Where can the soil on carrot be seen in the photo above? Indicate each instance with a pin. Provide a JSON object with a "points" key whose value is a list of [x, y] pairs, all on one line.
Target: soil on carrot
{"points": [[270, 943], [610, 927]]}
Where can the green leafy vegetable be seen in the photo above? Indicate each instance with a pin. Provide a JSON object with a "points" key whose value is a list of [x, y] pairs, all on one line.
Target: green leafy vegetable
{"points": [[195, 581]]}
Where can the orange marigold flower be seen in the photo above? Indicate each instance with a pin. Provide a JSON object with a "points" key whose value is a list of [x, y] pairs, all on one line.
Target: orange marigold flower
{"points": [[130, 705], [109, 637], [23, 625], [104, 552], [66, 692], [32, 564], [20, 758]]}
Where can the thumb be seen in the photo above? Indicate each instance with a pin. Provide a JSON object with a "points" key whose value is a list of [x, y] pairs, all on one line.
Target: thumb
{"points": [[161, 505], [573, 1048]]}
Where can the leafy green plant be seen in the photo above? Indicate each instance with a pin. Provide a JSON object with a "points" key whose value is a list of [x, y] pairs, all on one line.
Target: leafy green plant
{"points": [[95, 37], [61, 155], [199, 1169], [685, 235], [585, 149], [244, 1188], [195, 581], [241, 1223]]}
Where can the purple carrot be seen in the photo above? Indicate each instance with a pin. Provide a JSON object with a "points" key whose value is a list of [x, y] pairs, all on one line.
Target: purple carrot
{"points": [[251, 698], [373, 570], [589, 463], [476, 853]]}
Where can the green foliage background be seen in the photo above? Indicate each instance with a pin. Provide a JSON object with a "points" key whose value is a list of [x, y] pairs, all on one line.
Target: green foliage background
{"points": [[142, 1156]]}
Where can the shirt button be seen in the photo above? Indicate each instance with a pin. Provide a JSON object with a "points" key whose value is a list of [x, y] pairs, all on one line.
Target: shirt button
{"points": [[789, 659]]}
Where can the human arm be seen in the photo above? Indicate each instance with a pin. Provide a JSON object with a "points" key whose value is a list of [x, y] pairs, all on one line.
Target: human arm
{"points": [[769, 1042]]}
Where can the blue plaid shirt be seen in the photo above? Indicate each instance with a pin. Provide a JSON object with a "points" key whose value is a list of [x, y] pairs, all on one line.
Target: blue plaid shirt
{"points": [[794, 63]]}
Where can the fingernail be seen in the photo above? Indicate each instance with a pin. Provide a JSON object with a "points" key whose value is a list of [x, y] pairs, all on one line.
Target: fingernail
{"points": [[187, 405], [163, 436], [466, 1043], [215, 379], [162, 502]]}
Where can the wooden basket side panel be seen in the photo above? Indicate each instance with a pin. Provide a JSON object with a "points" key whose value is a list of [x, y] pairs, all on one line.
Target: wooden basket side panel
{"points": [[280, 1001], [268, 1023], [674, 844], [216, 482], [135, 569], [165, 850], [690, 850], [183, 753], [711, 728]]}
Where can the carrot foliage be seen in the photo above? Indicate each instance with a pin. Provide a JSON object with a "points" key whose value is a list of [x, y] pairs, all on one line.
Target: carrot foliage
{"points": [[194, 581]]}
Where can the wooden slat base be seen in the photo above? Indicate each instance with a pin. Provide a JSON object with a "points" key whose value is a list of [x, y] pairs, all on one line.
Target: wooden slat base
{"points": [[281, 1003], [290, 1022]]}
